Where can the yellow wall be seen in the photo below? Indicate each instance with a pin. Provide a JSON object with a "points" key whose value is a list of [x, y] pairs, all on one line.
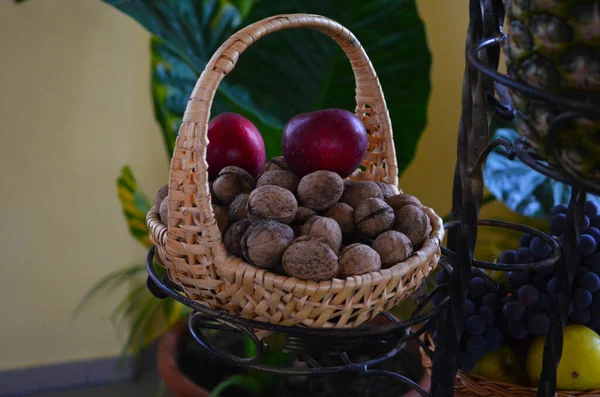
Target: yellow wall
{"points": [[75, 106], [429, 176]]}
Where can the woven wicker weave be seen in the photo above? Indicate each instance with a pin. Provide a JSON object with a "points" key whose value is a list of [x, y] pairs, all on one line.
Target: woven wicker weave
{"points": [[471, 385], [191, 248]]}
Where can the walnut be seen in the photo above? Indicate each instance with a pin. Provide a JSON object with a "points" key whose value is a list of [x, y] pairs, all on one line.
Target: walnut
{"points": [[302, 215], [373, 217], [221, 216], [265, 241], [359, 192], [414, 222], [320, 190], [237, 208], [343, 214], [160, 196], [282, 178], [164, 211], [385, 190], [327, 228], [272, 202], [276, 163], [310, 258], [357, 259], [393, 247], [400, 200], [231, 182], [233, 237], [220, 213], [213, 197]]}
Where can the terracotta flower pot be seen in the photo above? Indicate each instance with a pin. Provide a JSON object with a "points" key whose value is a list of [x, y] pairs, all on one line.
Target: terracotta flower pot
{"points": [[175, 381]]}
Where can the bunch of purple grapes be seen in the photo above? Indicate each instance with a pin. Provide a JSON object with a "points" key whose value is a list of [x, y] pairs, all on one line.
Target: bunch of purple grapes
{"points": [[532, 297], [482, 308]]}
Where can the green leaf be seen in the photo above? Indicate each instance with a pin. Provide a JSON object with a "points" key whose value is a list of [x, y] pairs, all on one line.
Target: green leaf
{"points": [[289, 72], [109, 283], [301, 70], [523, 190], [135, 206], [269, 381], [125, 307], [243, 381], [141, 326], [172, 83]]}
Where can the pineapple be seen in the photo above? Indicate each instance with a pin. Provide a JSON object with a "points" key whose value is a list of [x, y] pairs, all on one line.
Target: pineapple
{"points": [[555, 45]]}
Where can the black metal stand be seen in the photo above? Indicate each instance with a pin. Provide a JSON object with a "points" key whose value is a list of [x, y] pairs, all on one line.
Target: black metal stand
{"points": [[479, 101], [328, 351], [323, 351]]}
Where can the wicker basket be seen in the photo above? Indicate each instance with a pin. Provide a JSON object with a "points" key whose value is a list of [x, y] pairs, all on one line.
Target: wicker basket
{"points": [[191, 248], [471, 385]]}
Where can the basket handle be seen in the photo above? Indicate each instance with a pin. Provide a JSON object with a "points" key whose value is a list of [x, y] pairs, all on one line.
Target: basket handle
{"points": [[189, 193]]}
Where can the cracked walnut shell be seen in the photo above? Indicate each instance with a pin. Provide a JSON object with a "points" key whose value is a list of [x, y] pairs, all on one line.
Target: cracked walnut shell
{"points": [[373, 217], [343, 214], [358, 192], [231, 182], [265, 241], [282, 178], [233, 237], [327, 228], [310, 258], [320, 190], [386, 190], [393, 247], [400, 200], [272, 202], [237, 208], [414, 223], [357, 259], [276, 163]]}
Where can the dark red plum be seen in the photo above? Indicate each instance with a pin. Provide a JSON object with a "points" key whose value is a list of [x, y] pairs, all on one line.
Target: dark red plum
{"points": [[234, 141], [331, 139]]}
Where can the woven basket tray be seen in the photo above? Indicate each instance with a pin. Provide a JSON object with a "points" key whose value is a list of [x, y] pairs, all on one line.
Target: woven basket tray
{"points": [[471, 385], [191, 248]]}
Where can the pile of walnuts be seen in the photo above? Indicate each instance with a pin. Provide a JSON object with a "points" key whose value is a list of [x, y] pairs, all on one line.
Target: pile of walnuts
{"points": [[314, 228]]}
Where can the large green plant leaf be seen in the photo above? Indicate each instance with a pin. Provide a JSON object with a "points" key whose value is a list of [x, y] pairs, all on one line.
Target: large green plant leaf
{"points": [[523, 190], [289, 72], [135, 206]]}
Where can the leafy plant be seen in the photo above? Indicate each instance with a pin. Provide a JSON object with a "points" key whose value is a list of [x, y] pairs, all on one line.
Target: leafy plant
{"points": [[144, 316], [289, 72]]}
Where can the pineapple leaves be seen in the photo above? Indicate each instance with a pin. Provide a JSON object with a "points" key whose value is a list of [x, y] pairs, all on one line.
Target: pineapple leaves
{"points": [[289, 72]]}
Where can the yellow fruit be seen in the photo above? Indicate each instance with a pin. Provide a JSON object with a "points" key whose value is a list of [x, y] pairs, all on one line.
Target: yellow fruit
{"points": [[579, 367], [502, 365]]}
